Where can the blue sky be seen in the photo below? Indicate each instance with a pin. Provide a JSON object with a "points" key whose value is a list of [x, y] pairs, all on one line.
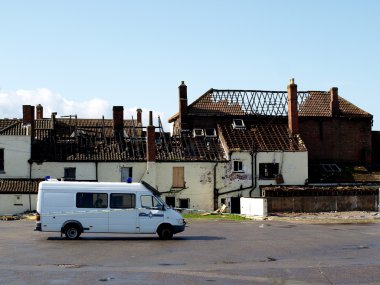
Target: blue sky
{"points": [[83, 57]]}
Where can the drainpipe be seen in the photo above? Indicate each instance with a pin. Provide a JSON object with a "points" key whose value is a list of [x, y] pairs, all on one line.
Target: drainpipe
{"points": [[254, 180], [216, 191]]}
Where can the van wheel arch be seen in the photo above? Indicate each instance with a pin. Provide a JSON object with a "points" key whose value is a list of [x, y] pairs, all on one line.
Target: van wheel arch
{"points": [[165, 231], [72, 229]]}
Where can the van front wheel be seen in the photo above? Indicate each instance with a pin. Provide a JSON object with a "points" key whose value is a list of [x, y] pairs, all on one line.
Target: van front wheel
{"points": [[165, 232], [72, 232]]}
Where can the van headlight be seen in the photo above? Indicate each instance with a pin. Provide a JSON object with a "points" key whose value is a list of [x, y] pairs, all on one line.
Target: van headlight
{"points": [[181, 221]]}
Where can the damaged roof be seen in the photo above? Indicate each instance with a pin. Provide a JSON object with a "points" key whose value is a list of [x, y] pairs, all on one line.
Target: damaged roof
{"points": [[260, 137], [72, 139], [217, 102]]}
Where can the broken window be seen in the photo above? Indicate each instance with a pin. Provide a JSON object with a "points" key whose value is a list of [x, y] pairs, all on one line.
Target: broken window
{"points": [[170, 201], [178, 177], [268, 170], [238, 166], [210, 133], [1, 159], [70, 173], [184, 203]]}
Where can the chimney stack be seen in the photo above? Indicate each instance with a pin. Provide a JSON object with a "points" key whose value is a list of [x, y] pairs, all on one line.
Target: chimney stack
{"points": [[334, 102], [40, 111], [182, 104], [28, 118], [151, 140], [118, 120], [139, 111], [27, 115], [292, 108]]}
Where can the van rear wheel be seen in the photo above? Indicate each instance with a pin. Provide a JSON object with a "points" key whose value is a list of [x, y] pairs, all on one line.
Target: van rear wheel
{"points": [[165, 232], [72, 232]]}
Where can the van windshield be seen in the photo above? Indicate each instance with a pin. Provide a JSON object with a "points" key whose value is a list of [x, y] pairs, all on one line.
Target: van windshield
{"points": [[152, 202]]}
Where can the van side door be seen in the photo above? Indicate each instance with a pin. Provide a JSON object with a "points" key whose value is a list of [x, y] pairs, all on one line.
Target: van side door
{"points": [[123, 213], [151, 214]]}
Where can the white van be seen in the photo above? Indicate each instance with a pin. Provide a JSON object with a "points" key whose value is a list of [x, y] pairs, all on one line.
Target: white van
{"points": [[73, 208]]}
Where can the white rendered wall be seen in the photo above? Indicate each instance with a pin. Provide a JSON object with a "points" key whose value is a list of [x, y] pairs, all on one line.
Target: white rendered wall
{"points": [[7, 202], [16, 156], [84, 170], [111, 171]]}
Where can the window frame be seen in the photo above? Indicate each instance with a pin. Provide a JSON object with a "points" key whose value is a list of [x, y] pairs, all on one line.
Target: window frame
{"points": [[239, 168]]}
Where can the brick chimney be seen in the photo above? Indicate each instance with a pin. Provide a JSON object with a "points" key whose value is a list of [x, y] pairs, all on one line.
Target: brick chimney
{"points": [[183, 104], [151, 140], [334, 102], [292, 107], [40, 111], [139, 112], [118, 121], [28, 118], [27, 115]]}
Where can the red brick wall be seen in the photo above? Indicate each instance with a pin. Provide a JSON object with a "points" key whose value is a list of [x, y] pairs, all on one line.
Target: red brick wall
{"points": [[337, 139]]}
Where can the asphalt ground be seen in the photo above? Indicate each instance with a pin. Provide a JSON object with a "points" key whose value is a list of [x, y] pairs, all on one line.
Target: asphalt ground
{"points": [[207, 252]]}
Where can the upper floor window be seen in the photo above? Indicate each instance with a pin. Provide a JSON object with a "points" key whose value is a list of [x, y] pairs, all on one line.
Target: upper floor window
{"points": [[238, 166], [1, 159], [268, 170], [70, 173]]}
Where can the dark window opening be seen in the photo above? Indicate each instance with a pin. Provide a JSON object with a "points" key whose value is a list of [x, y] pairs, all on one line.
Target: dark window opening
{"points": [[238, 124], [91, 200], [238, 166], [70, 173], [170, 201], [268, 170], [210, 133], [184, 203]]}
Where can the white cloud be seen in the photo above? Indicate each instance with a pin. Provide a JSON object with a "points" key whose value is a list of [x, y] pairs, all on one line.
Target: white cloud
{"points": [[11, 106]]}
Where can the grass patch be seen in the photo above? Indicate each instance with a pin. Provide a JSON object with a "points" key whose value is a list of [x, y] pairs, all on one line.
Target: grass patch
{"points": [[229, 217]]}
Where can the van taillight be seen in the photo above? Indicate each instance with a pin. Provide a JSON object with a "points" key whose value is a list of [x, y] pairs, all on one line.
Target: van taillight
{"points": [[38, 217]]}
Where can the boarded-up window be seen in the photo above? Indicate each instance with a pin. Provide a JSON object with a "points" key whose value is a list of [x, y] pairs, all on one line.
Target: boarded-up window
{"points": [[178, 177]]}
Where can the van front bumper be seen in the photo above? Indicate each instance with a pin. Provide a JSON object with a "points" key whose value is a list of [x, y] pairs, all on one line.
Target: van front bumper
{"points": [[178, 229]]}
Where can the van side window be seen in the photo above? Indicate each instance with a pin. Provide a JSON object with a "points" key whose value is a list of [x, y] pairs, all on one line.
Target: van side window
{"points": [[122, 201], [149, 202], [92, 200]]}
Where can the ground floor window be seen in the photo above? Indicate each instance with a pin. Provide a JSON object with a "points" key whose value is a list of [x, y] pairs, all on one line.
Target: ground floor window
{"points": [[184, 203], [170, 201]]}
